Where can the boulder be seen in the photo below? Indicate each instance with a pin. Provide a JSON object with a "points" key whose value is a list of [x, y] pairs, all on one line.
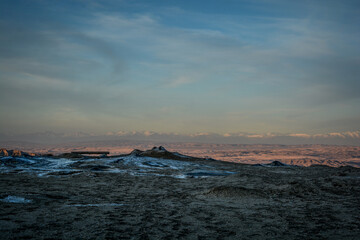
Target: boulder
{"points": [[3, 152]]}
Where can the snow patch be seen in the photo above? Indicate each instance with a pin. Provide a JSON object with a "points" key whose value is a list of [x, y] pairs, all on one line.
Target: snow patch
{"points": [[209, 173], [132, 164], [97, 205], [15, 199]]}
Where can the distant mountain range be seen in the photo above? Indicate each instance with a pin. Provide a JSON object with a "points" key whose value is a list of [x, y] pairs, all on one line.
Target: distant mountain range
{"points": [[336, 138]]}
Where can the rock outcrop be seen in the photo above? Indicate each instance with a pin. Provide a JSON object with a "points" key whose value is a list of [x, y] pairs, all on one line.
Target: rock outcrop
{"points": [[161, 152], [15, 153]]}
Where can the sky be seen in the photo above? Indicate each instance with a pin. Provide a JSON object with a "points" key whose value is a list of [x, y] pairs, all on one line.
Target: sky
{"points": [[255, 67]]}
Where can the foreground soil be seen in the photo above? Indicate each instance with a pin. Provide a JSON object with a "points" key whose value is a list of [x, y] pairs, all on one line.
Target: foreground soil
{"points": [[259, 202]]}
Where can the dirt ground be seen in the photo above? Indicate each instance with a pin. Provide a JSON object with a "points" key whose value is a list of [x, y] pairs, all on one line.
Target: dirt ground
{"points": [[259, 202]]}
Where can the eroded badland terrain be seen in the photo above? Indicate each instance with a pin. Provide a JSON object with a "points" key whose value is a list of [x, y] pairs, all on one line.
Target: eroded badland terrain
{"points": [[302, 155], [161, 194]]}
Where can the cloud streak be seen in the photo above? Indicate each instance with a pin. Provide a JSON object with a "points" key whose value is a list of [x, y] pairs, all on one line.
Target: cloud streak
{"points": [[334, 138]]}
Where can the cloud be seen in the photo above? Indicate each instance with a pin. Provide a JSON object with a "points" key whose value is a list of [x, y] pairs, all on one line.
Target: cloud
{"points": [[348, 134], [255, 136], [343, 138], [354, 134], [54, 50], [301, 135]]}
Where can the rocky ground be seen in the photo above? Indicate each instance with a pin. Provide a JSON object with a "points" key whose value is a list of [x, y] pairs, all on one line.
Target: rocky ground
{"points": [[142, 197]]}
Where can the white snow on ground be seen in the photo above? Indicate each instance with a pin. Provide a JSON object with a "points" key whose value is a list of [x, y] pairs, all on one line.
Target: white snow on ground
{"points": [[15, 199], [96, 205], [61, 163], [40, 165], [149, 162], [134, 165], [180, 176]]}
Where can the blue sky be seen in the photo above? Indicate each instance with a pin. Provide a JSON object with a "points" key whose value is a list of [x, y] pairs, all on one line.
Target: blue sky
{"points": [[182, 67]]}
